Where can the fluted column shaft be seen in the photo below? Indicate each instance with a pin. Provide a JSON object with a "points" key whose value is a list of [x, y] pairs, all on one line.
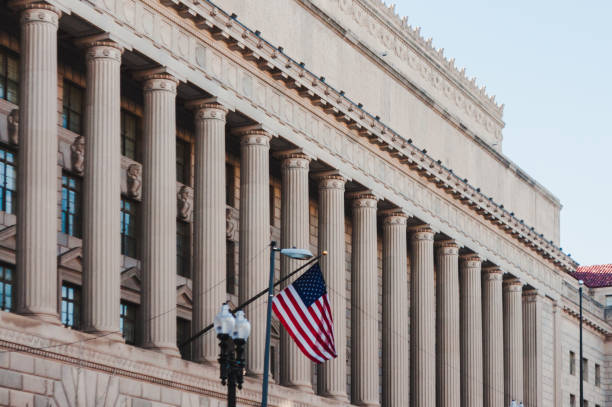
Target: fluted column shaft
{"points": [[422, 327], [102, 189], [159, 214], [209, 255], [331, 379], [448, 360], [493, 337], [513, 341], [471, 331], [255, 238], [37, 157], [532, 348], [295, 367], [396, 367], [364, 300]]}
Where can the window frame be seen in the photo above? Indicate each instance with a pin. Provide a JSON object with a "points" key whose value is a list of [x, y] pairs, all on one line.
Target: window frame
{"points": [[183, 332], [76, 304], [68, 110], [4, 282], [183, 165], [128, 314], [125, 136], [572, 365], [4, 190], [230, 267], [77, 215], [5, 81], [131, 238]]}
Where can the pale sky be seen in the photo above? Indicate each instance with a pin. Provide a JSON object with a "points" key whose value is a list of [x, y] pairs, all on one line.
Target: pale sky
{"points": [[550, 63]]}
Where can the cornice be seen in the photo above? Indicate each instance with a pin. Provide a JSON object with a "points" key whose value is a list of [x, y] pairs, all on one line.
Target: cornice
{"points": [[280, 66]]}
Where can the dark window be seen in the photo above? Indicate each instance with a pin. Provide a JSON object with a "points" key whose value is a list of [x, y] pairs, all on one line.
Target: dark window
{"points": [[272, 205], [183, 249], [127, 321], [128, 228], [9, 76], [597, 375], [585, 369], [572, 400], [183, 332], [183, 161], [230, 267], [72, 112], [8, 181], [130, 127], [71, 305], [7, 281], [229, 185], [572, 363], [71, 205]]}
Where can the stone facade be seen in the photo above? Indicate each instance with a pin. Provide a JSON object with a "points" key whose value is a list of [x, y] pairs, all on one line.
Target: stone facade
{"points": [[446, 281]]}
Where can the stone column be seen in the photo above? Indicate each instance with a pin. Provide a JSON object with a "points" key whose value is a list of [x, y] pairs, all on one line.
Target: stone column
{"points": [[209, 255], [448, 361], [37, 157], [159, 214], [255, 238], [513, 341], [396, 364], [493, 337], [331, 379], [364, 302], [102, 189], [422, 327], [295, 368], [471, 331], [532, 348]]}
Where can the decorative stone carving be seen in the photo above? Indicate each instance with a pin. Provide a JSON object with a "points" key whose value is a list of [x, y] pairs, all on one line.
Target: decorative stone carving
{"points": [[13, 126], [185, 202], [77, 150], [134, 180], [231, 223]]}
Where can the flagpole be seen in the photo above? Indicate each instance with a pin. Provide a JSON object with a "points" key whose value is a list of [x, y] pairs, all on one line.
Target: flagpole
{"points": [[264, 390]]}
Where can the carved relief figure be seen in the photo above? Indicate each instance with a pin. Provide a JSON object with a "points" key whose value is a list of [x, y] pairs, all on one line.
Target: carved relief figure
{"points": [[185, 202], [231, 224], [133, 181], [78, 155], [13, 126]]}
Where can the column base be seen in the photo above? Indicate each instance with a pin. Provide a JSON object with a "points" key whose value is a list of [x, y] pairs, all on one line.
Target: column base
{"points": [[167, 350], [336, 396], [306, 388], [112, 336], [43, 316]]}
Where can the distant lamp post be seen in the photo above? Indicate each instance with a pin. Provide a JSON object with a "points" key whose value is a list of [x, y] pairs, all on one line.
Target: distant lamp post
{"points": [[580, 284], [299, 254], [233, 333]]}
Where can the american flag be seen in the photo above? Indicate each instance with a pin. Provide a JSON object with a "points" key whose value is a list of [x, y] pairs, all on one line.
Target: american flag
{"points": [[303, 308]]}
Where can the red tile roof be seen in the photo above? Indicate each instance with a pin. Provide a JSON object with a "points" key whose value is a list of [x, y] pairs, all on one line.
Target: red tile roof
{"points": [[595, 276]]}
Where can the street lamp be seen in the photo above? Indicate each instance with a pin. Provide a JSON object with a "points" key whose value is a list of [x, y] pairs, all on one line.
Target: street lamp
{"points": [[299, 254], [233, 333]]}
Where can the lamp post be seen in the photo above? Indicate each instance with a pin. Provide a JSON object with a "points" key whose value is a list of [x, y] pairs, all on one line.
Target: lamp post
{"points": [[233, 333], [300, 254], [580, 284]]}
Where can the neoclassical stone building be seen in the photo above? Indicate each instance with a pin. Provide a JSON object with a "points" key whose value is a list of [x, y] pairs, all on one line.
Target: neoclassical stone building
{"points": [[151, 150]]}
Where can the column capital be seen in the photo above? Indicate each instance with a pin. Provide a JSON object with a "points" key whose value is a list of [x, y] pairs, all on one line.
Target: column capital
{"points": [[394, 216], [253, 135], [447, 247], [363, 199], [208, 108], [293, 159], [330, 181], [104, 50], [531, 295], [161, 82], [35, 6], [422, 232], [512, 284], [492, 273], [470, 260]]}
